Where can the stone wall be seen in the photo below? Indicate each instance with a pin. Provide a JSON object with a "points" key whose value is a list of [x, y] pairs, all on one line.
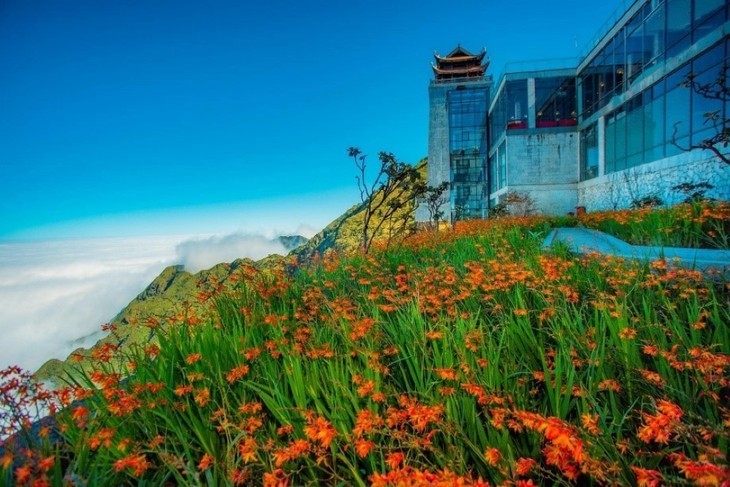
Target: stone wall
{"points": [[618, 190], [544, 166]]}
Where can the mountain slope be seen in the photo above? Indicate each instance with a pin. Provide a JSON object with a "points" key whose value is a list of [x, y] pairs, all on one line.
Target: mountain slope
{"points": [[176, 293], [172, 295]]}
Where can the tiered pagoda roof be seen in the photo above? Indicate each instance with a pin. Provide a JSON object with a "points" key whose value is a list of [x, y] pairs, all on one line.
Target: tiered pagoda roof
{"points": [[460, 63]]}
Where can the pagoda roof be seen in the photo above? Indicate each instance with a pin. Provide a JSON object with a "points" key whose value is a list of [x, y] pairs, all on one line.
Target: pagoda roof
{"points": [[459, 54], [470, 70]]}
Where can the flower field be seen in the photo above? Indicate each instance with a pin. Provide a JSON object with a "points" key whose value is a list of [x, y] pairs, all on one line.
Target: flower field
{"points": [[464, 357], [699, 224]]}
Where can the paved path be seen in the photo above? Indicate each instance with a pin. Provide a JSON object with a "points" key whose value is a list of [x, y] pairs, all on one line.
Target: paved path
{"points": [[583, 240]]}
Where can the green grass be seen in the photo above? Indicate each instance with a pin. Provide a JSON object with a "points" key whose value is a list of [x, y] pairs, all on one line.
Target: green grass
{"points": [[415, 361], [700, 224]]}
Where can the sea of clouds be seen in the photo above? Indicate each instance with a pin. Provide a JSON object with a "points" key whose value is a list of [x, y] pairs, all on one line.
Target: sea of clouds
{"points": [[55, 295]]}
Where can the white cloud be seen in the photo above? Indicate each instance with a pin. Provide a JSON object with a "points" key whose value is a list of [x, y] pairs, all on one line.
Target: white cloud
{"points": [[306, 231], [54, 295], [200, 254]]}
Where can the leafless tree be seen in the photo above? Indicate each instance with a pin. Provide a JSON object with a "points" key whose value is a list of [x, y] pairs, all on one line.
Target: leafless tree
{"points": [[719, 90], [391, 193]]}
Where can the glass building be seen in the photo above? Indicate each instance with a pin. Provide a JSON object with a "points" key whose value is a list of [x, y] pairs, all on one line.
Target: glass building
{"points": [[459, 96], [595, 132]]}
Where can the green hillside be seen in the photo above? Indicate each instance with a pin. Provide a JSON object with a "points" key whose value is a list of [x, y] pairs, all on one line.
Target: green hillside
{"points": [[170, 297], [176, 292]]}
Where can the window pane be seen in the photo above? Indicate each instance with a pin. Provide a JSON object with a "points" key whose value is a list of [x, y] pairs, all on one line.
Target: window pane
{"points": [[654, 124], [654, 35], [589, 153], [678, 105], [610, 144], [620, 141], [704, 108], [708, 15], [635, 53], [554, 101], [678, 24]]}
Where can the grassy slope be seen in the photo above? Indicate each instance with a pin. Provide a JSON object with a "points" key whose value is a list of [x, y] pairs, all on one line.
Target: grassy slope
{"points": [[175, 289]]}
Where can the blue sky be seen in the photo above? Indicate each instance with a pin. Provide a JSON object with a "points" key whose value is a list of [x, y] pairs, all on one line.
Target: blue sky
{"points": [[145, 117]]}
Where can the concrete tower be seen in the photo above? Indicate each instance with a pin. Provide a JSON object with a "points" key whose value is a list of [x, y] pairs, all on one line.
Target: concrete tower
{"points": [[457, 134]]}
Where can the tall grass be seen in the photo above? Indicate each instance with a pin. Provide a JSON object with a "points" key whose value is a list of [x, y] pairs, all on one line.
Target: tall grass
{"points": [[464, 356], [700, 224]]}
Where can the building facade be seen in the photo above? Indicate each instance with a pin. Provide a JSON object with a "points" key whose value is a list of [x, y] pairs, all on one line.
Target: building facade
{"points": [[457, 140], [604, 132]]}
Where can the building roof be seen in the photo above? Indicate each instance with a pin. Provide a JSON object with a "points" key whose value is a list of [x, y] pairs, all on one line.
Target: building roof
{"points": [[460, 63], [460, 55]]}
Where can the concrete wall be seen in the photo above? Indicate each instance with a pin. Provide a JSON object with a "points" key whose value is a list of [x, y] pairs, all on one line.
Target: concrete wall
{"points": [[438, 145], [544, 164], [617, 190]]}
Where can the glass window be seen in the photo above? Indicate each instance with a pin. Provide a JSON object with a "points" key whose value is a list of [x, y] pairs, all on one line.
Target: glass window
{"points": [[635, 53], [654, 36], [708, 15], [635, 128], [588, 153], [610, 136], [677, 105], [468, 146], [502, 154], [588, 92], [705, 108], [653, 127], [516, 104], [679, 21], [619, 65], [620, 149], [555, 101]]}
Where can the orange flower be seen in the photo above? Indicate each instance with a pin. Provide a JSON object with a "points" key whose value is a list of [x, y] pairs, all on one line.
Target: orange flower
{"points": [[702, 473], [103, 437], [628, 334], [320, 430], [394, 459], [79, 413], [182, 390], [237, 373], [292, 452], [138, 464], [7, 460], [366, 422], [523, 466], [609, 385], [247, 449], [652, 377], [434, 335], [366, 388], [447, 374], [277, 478], [659, 427], [205, 462], [590, 423], [193, 357], [46, 463], [22, 474], [202, 397], [363, 447], [647, 478], [492, 456]]}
